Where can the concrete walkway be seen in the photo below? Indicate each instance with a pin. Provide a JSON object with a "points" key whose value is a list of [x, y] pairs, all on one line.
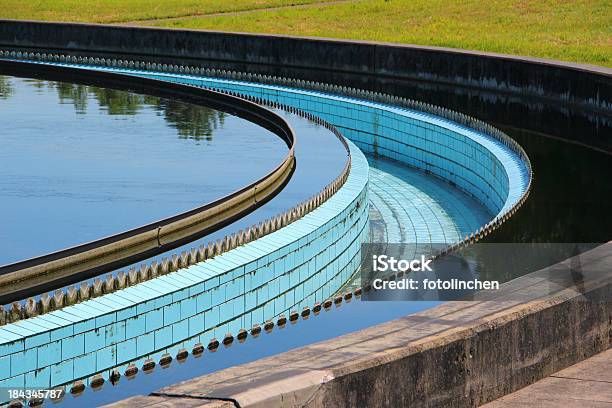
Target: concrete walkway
{"points": [[587, 384], [583, 385]]}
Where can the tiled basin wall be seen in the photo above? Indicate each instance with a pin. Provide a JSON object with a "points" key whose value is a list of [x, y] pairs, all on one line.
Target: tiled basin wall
{"points": [[294, 267], [476, 163]]}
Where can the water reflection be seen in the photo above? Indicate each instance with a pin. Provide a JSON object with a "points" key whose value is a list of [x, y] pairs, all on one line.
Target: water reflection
{"points": [[75, 94], [6, 88], [100, 161], [191, 121]]}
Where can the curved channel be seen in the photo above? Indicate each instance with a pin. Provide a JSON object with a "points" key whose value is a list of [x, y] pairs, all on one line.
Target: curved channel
{"points": [[493, 170], [225, 294]]}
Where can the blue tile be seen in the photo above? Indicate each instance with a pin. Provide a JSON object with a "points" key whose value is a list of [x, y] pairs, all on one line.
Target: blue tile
{"points": [[135, 326], [163, 337], [37, 340], [17, 382], [62, 373], [154, 320], [180, 330], [23, 361], [188, 307], [5, 365], [85, 365], [145, 344], [106, 358], [126, 351], [106, 319], [114, 333], [94, 340], [39, 379], [172, 313], [73, 346], [50, 353], [196, 324]]}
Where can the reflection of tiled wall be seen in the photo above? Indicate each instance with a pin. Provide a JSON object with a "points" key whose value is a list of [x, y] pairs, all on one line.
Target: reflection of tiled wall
{"points": [[305, 262], [477, 164]]}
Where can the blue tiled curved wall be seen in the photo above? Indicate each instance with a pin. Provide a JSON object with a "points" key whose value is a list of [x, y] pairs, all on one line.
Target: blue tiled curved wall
{"points": [[475, 162], [296, 266]]}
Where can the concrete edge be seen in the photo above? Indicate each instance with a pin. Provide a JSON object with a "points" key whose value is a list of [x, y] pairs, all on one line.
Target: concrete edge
{"points": [[587, 87], [471, 361], [511, 57]]}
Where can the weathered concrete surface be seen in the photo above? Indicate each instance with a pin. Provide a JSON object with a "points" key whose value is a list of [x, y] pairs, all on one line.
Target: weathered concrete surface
{"points": [[457, 354], [586, 384], [169, 401], [584, 85]]}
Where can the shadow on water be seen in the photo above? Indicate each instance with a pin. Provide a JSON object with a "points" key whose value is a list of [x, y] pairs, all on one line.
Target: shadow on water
{"points": [[570, 149]]}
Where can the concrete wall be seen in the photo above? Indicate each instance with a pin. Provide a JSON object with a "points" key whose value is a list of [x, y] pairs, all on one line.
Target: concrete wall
{"points": [[583, 85]]}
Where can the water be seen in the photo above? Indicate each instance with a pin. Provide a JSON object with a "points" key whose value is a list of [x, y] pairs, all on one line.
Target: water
{"points": [[176, 158], [320, 158], [79, 163]]}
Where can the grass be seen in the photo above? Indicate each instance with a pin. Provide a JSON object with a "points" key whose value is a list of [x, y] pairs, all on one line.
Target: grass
{"points": [[121, 11], [571, 30]]}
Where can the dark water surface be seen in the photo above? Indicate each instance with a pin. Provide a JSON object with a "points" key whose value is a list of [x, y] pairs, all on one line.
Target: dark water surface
{"points": [[79, 163]]}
